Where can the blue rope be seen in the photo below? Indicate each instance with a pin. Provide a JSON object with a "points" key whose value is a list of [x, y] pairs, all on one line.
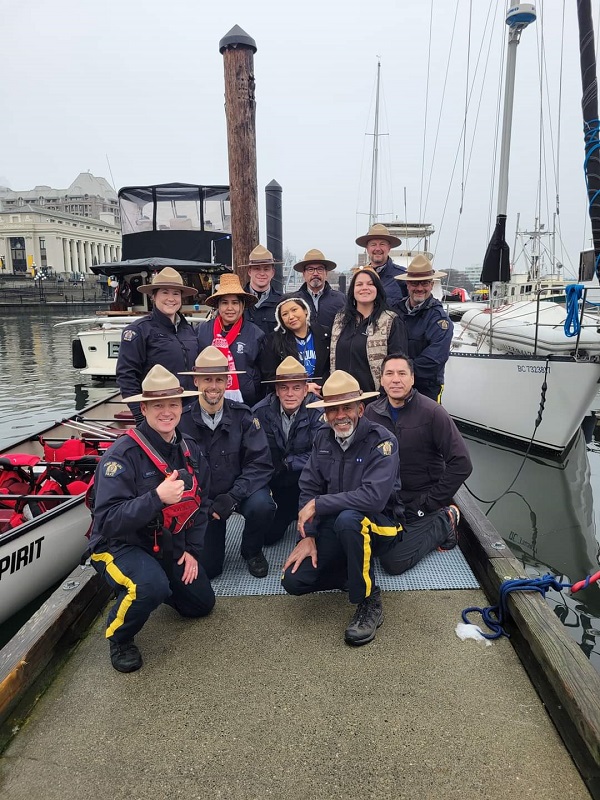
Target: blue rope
{"points": [[495, 616], [574, 292]]}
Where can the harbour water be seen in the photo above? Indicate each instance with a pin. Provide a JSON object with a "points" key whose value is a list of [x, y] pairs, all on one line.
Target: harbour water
{"points": [[550, 517]]}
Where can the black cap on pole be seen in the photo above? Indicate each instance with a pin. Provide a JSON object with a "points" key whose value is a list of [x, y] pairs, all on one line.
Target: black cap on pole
{"points": [[237, 37]]}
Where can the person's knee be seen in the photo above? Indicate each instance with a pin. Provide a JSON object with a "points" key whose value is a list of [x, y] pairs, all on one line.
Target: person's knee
{"points": [[198, 607], [258, 506], [295, 583], [348, 523]]}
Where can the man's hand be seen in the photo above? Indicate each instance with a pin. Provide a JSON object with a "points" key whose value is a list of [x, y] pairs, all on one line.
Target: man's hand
{"points": [[306, 548], [171, 489], [305, 515], [314, 388], [222, 507], [190, 569]]}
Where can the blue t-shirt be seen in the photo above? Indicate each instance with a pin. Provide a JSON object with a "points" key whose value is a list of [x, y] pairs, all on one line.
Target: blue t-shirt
{"points": [[306, 353]]}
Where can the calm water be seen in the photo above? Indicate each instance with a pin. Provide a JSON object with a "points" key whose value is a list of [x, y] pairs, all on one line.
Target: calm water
{"points": [[548, 518]]}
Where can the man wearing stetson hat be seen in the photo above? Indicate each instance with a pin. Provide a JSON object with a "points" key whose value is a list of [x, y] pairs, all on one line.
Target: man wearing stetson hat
{"points": [[163, 337], [350, 506], [235, 446], [324, 301], [290, 427], [378, 242], [149, 519], [236, 337], [428, 327], [261, 271]]}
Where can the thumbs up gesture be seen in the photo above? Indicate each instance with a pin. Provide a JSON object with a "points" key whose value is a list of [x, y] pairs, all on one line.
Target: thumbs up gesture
{"points": [[171, 489]]}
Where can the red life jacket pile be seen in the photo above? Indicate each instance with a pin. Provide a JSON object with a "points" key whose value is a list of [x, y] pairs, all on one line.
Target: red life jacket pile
{"points": [[67, 469]]}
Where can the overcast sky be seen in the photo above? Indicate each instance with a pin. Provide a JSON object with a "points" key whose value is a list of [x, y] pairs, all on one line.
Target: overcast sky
{"points": [[142, 84]]}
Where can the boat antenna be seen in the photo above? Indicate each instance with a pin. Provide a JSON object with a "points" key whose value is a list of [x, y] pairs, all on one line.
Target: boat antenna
{"points": [[112, 180], [375, 160]]}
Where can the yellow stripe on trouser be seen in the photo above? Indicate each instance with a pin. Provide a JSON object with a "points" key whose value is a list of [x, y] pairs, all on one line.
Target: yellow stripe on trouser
{"points": [[122, 580], [438, 399], [366, 528]]}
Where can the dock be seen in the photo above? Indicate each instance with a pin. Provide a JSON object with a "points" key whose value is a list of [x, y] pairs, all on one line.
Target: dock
{"points": [[263, 699]]}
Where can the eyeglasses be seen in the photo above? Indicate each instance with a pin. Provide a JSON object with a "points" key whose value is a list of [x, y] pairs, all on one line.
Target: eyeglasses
{"points": [[315, 269], [421, 283]]}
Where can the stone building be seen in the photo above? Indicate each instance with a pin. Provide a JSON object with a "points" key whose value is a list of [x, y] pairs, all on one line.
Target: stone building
{"points": [[61, 231]]}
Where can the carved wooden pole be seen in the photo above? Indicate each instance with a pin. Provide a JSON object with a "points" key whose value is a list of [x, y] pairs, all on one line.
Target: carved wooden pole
{"points": [[240, 110]]}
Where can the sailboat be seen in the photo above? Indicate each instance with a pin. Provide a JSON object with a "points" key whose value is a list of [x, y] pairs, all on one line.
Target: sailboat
{"points": [[538, 398]]}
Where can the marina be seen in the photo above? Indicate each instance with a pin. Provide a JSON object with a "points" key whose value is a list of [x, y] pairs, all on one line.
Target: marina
{"points": [[263, 697]]}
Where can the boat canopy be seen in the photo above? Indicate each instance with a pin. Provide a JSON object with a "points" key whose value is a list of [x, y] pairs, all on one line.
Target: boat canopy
{"points": [[135, 266], [176, 221]]}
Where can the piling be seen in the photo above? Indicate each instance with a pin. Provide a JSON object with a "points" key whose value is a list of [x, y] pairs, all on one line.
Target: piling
{"points": [[238, 49], [273, 205]]}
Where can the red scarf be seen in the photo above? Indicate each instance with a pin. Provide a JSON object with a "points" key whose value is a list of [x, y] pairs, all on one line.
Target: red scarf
{"points": [[223, 340]]}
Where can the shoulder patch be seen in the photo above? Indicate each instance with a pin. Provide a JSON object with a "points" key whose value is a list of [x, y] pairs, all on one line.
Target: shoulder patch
{"points": [[386, 448], [256, 422], [112, 469], [444, 324], [129, 335]]}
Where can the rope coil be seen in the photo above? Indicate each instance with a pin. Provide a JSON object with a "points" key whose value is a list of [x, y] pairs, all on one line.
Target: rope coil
{"points": [[495, 616]]}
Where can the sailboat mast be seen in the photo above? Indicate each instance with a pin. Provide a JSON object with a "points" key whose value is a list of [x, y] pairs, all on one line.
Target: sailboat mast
{"points": [[375, 161], [589, 105]]}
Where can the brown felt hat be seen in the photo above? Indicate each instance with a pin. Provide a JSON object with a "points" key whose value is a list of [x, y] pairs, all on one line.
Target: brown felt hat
{"points": [[290, 369], [159, 384], [341, 388], [211, 361], [167, 278], [378, 231], [420, 269], [259, 257], [314, 257]]}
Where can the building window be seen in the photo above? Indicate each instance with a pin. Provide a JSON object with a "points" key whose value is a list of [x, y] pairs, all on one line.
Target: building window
{"points": [[43, 254], [17, 252]]}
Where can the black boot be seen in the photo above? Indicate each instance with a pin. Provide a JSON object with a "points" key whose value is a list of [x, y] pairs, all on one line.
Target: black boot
{"points": [[258, 565], [124, 656], [367, 618]]}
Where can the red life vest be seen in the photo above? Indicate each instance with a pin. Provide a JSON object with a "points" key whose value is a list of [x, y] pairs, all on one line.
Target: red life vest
{"points": [[176, 516]]}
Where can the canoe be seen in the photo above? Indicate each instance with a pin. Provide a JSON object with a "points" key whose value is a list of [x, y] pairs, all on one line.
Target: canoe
{"points": [[43, 516]]}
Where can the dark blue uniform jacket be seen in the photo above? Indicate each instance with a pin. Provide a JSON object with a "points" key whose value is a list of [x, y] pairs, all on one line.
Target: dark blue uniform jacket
{"points": [[365, 478], [245, 351], [264, 316], [126, 505], [330, 302], [434, 460], [395, 291], [237, 450], [429, 333], [291, 455], [155, 340]]}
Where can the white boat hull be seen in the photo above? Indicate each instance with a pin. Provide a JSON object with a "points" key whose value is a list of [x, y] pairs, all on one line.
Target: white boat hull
{"points": [[513, 329], [38, 554], [501, 394]]}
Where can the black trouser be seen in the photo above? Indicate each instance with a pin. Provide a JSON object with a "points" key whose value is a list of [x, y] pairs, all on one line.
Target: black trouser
{"points": [[421, 535], [258, 510], [346, 544], [433, 391], [142, 584], [286, 494]]}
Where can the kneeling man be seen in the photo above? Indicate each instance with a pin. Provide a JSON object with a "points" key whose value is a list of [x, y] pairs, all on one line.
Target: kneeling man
{"points": [[350, 506], [290, 427], [150, 520]]}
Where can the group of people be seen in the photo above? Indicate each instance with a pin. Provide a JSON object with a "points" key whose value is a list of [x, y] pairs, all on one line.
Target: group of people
{"points": [[313, 407]]}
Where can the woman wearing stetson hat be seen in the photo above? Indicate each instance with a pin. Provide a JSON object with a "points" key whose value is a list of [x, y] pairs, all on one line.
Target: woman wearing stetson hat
{"points": [[428, 327], [290, 429], [162, 337], [150, 519], [378, 242], [237, 338]]}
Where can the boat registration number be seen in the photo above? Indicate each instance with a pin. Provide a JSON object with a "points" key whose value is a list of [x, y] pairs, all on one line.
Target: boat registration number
{"points": [[528, 368], [113, 349]]}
